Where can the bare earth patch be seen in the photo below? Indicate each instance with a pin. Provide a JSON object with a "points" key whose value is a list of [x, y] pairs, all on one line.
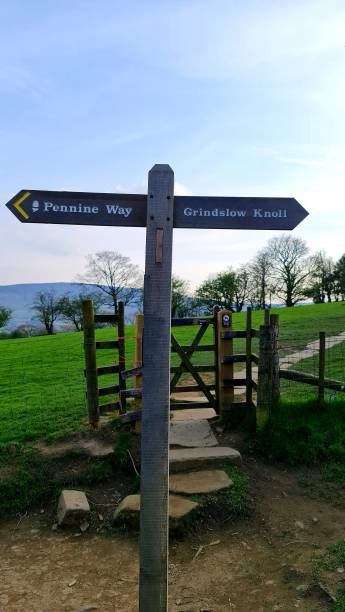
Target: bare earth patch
{"points": [[254, 565]]}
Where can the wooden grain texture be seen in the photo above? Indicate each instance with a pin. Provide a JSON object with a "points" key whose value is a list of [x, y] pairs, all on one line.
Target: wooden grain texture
{"points": [[274, 323], [249, 387], [264, 393], [153, 588], [90, 362], [225, 368], [311, 379], [138, 356]]}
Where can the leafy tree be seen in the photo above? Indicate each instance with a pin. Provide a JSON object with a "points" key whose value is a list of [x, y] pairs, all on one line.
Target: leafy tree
{"points": [[260, 282], [322, 278], [218, 291], [180, 302], [291, 268], [47, 308], [339, 278], [5, 315], [241, 288], [115, 275], [71, 307]]}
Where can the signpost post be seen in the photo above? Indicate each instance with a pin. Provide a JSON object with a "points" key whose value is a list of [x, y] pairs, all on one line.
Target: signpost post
{"points": [[159, 211]]}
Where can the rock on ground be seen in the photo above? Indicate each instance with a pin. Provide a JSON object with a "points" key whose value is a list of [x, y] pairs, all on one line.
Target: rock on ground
{"points": [[73, 508]]}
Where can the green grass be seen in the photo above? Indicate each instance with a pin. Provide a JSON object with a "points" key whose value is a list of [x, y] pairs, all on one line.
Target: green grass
{"points": [[328, 563], [42, 391], [334, 368], [305, 433]]}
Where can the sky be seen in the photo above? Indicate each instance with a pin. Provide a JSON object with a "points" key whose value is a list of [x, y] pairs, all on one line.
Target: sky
{"points": [[240, 98]]}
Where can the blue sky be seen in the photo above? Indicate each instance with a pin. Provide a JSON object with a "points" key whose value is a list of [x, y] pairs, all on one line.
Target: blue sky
{"points": [[240, 98]]}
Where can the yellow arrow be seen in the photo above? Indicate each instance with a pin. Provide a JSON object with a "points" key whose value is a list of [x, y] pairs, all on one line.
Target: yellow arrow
{"points": [[17, 205]]}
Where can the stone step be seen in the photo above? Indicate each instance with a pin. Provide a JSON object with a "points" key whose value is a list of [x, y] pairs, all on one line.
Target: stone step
{"points": [[129, 508], [204, 481], [184, 459], [192, 434]]}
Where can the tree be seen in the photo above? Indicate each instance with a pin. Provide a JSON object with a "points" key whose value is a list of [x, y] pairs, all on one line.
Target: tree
{"points": [[339, 278], [241, 288], [218, 291], [5, 315], [260, 271], [180, 305], [115, 275], [322, 278], [291, 268], [71, 307], [47, 307]]}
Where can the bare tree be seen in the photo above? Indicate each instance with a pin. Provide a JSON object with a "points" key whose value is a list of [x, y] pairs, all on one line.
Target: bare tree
{"points": [[291, 267], [115, 275], [47, 308]]}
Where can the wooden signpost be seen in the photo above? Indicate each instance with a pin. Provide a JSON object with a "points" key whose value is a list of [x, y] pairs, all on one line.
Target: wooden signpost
{"points": [[160, 212]]}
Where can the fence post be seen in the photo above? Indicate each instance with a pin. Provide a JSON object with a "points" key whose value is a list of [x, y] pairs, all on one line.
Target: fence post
{"points": [[274, 323], [216, 309], [264, 398], [225, 368], [90, 362], [322, 364], [249, 386], [139, 329], [122, 354], [267, 316]]}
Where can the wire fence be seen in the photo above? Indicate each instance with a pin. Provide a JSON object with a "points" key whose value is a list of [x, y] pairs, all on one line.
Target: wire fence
{"points": [[42, 384], [307, 360]]}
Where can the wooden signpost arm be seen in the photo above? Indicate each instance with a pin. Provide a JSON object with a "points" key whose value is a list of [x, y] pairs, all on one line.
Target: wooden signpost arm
{"points": [[156, 393]]}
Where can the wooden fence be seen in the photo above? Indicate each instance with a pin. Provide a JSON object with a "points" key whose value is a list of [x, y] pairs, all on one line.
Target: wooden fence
{"points": [[218, 394], [270, 373], [93, 372]]}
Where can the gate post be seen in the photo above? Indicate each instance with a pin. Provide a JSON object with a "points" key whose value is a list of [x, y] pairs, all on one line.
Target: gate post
{"points": [[90, 362], [268, 369], [225, 366], [274, 323]]}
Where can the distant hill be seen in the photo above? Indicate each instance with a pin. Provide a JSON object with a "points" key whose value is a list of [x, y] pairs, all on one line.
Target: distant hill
{"points": [[19, 299]]}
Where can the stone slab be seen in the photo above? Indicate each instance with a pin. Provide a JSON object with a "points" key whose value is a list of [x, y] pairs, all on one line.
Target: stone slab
{"points": [[191, 434], [129, 508], [203, 481], [193, 414], [183, 459], [73, 508]]}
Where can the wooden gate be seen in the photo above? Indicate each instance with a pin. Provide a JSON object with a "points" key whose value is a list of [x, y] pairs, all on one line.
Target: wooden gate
{"points": [[194, 371]]}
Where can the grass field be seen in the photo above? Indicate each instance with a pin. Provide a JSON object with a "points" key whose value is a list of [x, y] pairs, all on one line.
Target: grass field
{"points": [[42, 383]]}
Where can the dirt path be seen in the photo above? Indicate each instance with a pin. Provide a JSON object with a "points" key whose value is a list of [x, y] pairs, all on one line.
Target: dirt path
{"points": [[259, 564]]}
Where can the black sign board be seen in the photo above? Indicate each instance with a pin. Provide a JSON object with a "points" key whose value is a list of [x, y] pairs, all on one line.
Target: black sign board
{"points": [[128, 210]]}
